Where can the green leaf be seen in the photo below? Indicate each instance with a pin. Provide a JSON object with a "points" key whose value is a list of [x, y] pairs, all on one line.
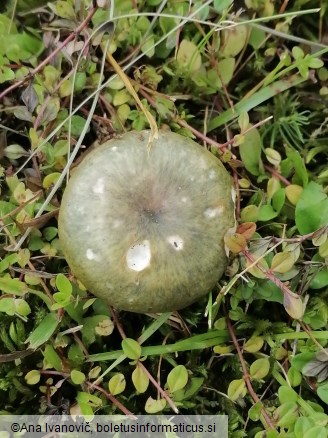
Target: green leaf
{"points": [[77, 377], [188, 56], [226, 68], [43, 332], [177, 378], [94, 372], [33, 377], [301, 359], [278, 200], [293, 193], [50, 233], [311, 210], [193, 386], [105, 327], [294, 377], [236, 389], [283, 262], [7, 305], [316, 432], [153, 406], [255, 411], [131, 348], [287, 394], [322, 392], [148, 47], [87, 402], [315, 63], [254, 344], [50, 180], [52, 358], [234, 40], [15, 151], [221, 5], [12, 286], [320, 279], [243, 121], [22, 307], [302, 425], [259, 369], [250, 213], [293, 305], [63, 9], [250, 151], [266, 213], [140, 380], [64, 285], [286, 414], [297, 52], [117, 384], [77, 125], [89, 329], [301, 173]]}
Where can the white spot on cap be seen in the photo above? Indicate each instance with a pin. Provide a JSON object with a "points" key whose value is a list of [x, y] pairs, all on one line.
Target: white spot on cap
{"points": [[99, 187], [184, 199], [91, 255], [114, 148], [212, 174], [176, 242], [138, 256], [211, 213], [233, 195], [117, 223]]}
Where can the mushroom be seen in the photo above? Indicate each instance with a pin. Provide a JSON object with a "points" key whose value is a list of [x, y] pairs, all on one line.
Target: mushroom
{"points": [[143, 229]]}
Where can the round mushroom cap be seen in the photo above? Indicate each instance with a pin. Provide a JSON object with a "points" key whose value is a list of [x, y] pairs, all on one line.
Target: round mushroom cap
{"points": [[143, 229]]}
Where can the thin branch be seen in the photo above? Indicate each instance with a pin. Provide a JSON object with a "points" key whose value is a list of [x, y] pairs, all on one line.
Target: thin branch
{"points": [[275, 173], [247, 379]]}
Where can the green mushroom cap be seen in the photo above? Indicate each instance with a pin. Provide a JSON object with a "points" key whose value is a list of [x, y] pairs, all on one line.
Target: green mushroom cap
{"points": [[143, 230]]}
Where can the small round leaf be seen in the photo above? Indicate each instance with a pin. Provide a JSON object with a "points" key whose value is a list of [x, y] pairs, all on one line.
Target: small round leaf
{"points": [[131, 348], [32, 377], [117, 384], [259, 369], [153, 406], [236, 389], [140, 380], [177, 378]]}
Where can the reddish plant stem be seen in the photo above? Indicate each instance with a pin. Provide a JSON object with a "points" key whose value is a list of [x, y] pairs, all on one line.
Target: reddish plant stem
{"points": [[299, 239], [247, 379], [268, 273], [159, 388], [111, 398], [204, 137], [275, 173], [117, 323], [52, 54]]}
